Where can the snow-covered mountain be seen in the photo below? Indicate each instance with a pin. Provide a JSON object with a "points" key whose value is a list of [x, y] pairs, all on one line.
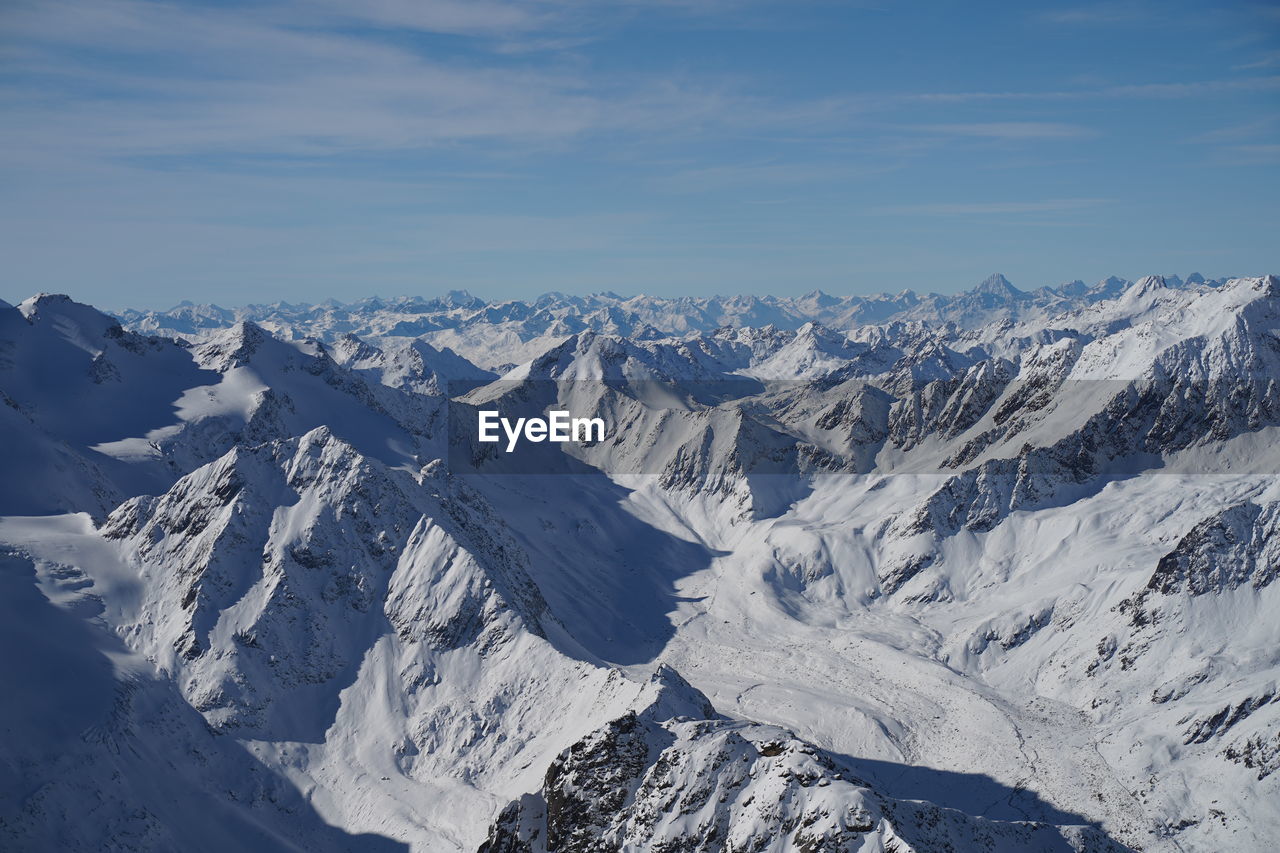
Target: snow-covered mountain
{"points": [[501, 334], [993, 571]]}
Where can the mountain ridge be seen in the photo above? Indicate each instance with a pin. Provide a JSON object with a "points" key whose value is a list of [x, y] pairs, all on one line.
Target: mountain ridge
{"points": [[998, 577]]}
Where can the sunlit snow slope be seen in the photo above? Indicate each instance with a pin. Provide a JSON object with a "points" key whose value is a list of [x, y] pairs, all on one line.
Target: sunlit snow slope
{"points": [[987, 572]]}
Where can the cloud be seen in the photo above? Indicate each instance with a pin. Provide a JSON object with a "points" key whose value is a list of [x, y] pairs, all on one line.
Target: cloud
{"points": [[156, 78], [456, 17], [1098, 14], [1237, 132], [763, 176], [324, 78], [1267, 60], [1194, 89], [1009, 130], [1187, 89], [1251, 155], [318, 78], [1055, 205]]}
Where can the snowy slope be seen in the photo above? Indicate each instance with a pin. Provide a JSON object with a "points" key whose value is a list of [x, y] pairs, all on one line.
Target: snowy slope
{"points": [[984, 572]]}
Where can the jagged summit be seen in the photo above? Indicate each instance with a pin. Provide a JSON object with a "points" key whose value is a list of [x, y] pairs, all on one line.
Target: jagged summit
{"points": [[997, 285], [461, 299], [1148, 284], [237, 345]]}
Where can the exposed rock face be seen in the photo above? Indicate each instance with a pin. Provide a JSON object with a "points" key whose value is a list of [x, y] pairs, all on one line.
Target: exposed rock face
{"points": [[1238, 546], [704, 786]]}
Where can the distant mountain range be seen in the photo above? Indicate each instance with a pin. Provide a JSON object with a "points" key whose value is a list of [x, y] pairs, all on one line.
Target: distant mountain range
{"points": [[475, 327]]}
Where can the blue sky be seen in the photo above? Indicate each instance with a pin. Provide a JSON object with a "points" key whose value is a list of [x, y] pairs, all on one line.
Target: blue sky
{"points": [[306, 149]]}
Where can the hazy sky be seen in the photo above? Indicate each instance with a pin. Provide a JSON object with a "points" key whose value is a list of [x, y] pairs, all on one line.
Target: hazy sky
{"points": [[305, 149]]}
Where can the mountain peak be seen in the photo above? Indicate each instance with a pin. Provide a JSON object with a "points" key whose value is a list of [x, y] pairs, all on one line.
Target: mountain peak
{"points": [[818, 299], [248, 332], [78, 323], [1148, 284], [235, 346], [462, 299], [998, 285], [1267, 285]]}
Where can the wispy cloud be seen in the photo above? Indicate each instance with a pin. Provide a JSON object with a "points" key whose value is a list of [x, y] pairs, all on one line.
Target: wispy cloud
{"points": [[1193, 89], [1053, 205], [1146, 15], [1237, 132], [158, 78], [1098, 14], [1162, 91], [1009, 130], [316, 78], [458, 17], [1267, 60], [763, 176], [1251, 155]]}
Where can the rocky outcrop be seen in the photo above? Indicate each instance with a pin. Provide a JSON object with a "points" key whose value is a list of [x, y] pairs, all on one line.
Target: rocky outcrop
{"points": [[716, 786]]}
